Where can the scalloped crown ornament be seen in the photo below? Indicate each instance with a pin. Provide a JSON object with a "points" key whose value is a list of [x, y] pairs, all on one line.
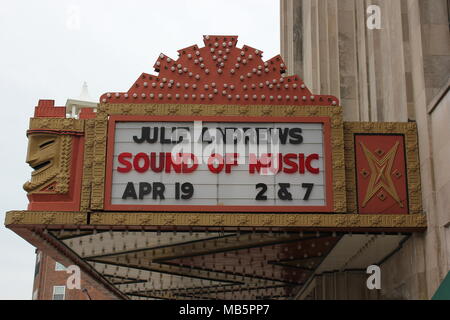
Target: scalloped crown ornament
{"points": [[219, 73]]}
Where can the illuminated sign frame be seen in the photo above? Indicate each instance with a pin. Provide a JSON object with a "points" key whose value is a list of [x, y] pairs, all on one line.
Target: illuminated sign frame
{"points": [[327, 150]]}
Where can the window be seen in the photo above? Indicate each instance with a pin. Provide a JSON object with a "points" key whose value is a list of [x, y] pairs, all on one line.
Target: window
{"points": [[35, 294], [59, 267], [59, 292]]}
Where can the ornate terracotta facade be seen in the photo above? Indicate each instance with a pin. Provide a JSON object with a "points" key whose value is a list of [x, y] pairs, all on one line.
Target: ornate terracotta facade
{"points": [[374, 179]]}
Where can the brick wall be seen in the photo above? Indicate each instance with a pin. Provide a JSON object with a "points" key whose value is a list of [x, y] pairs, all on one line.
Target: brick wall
{"points": [[46, 277]]}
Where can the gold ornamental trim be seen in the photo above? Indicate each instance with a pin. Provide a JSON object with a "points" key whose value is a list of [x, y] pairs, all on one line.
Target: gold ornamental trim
{"points": [[335, 114], [142, 219], [99, 161], [57, 171], [63, 177], [25, 217], [86, 186], [409, 131], [219, 110], [258, 220], [69, 124]]}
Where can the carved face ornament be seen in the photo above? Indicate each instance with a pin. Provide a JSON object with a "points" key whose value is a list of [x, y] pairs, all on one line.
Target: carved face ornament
{"points": [[44, 157]]}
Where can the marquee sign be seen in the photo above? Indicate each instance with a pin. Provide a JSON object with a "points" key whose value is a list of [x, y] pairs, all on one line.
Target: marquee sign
{"points": [[259, 164], [220, 137], [218, 177]]}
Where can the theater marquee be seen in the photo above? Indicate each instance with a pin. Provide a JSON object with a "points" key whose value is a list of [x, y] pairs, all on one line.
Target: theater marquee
{"points": [[254, 164], [220, 138], [219, 177]]}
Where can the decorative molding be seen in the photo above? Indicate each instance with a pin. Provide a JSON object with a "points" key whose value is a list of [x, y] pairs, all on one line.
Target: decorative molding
{"points": [[409, 131], [223, 110], [25, 218], [87, 164], [347, 222], [99, 161], [61, 124], [63, 177], [55, 179]]}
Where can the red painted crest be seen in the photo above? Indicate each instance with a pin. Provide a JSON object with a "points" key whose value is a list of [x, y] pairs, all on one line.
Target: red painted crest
{"points": [[381, 174], [219, 73]]}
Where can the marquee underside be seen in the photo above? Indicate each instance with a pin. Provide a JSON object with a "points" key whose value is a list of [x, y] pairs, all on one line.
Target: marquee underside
{"points": [[164, 262]]}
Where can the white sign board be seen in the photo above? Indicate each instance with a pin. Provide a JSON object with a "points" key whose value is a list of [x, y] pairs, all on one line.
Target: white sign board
{"points": [[212, 164]]}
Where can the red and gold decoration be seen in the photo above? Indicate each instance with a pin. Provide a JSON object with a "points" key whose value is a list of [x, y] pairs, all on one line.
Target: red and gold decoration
{"points": [[381, 174], [370, 185]]}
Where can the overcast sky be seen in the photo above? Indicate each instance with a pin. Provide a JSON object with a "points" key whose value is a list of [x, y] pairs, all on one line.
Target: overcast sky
{"points": [[48, 48]]}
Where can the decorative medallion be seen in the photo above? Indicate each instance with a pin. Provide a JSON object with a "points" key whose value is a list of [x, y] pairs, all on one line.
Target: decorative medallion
{"points": [[381, 174]]}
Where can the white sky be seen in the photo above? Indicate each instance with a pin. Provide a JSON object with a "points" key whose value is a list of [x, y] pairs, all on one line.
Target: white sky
{"points": [[46, 54]]}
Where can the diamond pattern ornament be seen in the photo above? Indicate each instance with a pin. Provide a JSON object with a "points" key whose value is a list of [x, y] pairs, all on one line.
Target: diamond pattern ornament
{"points": [[381, 179]]}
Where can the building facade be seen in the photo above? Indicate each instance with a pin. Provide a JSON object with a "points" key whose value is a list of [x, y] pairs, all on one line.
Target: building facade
{"points": [[360, 178], [51, 282], [396, 73], [109, 194]]}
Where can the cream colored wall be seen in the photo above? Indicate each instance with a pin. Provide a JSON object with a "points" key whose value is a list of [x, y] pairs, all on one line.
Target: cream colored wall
{"points": [[398, 73], [338, 286]]}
